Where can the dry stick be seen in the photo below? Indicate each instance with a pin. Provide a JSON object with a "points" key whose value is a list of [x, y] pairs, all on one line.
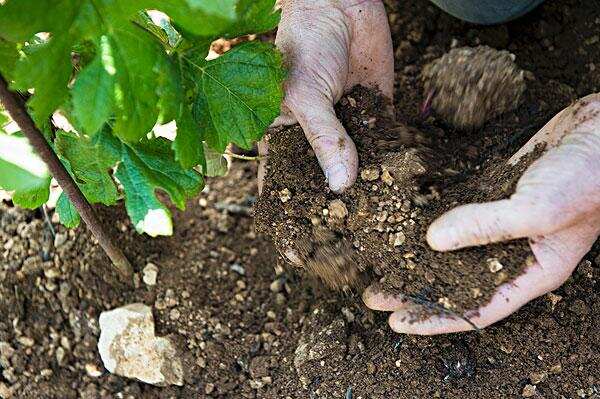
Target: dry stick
{"points": [[16, 108]]}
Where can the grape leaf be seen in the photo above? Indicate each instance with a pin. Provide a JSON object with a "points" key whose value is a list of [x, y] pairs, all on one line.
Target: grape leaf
{"points": [[239, 94], [187, 144], [23, 172], [90, 165], [254, 16], [8, 58], [67, 214], [93, 90], [149, 166]]}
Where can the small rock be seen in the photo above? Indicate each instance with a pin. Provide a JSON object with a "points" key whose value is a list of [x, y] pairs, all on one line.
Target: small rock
{"points": [[150, 274], [494, 265], [60, 239], [174, 314], [209, 388], [529, 391], [129, 347], [370, 174], [352, 102], [26, 341], [92, 370], [387, 178], [397, 239], [5, 391], [271, 315], [501, 277], [285, 195], [277, 285], [239, 269], [554, 299], [537, 377], [337, 209], [556, 369]]}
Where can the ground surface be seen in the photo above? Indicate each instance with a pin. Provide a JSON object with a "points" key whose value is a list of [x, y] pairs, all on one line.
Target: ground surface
{"points": [[239, 337]]}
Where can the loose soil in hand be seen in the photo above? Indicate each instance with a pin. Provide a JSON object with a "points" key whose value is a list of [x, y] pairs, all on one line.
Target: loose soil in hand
{"points": [[250, 328], [406, 180]]}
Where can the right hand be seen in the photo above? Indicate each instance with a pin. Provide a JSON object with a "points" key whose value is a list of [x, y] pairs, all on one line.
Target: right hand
{"points": [[329, 47]]}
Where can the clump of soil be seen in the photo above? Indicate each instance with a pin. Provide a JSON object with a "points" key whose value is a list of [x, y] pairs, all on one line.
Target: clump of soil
{"points": [[470, 85], [402, 187]]}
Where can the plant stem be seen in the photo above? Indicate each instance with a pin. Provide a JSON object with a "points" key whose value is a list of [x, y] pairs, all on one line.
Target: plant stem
{"points": [[16, 108], [243, 157]]}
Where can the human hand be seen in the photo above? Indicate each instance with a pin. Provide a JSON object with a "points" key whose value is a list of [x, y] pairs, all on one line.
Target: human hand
{"points": [[329, 47], [556, 205]]}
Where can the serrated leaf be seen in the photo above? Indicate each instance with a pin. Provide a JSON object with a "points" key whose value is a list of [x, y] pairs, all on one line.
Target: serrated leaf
{"points": [[47, 68], [23, 172], [239, 94], [216, 15], [145, 168], [92, 93], [67, 214], [90, 166]]}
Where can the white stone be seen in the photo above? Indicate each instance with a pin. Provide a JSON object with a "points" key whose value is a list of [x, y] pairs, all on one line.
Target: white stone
{"points": [[150, 274], [129, 347]]}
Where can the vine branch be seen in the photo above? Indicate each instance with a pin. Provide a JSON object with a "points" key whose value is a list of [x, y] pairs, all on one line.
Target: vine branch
{"points": [[18, 112]]}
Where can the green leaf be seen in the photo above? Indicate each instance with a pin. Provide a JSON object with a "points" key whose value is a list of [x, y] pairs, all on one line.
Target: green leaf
{"points": [[67, 214], [216, 164], [47, 68], [254, 16], [137, 57], [23, 172], [8, 58], [93, 90], [216, 15], [145, 168], [90, 165], [21, 19], [239, 94], [187, 144]]}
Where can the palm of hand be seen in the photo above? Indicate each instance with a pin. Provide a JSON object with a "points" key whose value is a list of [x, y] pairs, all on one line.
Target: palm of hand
{"points": [[556, 205]]}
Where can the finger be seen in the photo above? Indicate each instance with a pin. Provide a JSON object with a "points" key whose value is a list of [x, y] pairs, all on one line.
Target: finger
{"points": [[558, 190], [371, 50], [286, 118], [377, 300], [333, 147], [480, 224], [557, 256]]}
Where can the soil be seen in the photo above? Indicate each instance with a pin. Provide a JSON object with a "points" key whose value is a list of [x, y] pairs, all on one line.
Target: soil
{"points": [[382, 220], [250, 328]]}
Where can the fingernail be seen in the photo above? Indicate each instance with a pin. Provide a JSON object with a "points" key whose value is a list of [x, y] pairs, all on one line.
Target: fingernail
{"points": [[437, 238], [337, 177]]}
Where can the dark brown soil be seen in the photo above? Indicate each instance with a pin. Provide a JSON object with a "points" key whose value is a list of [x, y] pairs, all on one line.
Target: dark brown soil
{"points": [[402, 187], [239, 339]]}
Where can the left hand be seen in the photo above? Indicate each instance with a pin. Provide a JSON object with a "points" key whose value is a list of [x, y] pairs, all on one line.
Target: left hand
{"points": [[556, 205]]}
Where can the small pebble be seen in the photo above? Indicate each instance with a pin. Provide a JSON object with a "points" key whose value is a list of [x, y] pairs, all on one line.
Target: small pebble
{"points": [[239, 269], [285, 195], [92, 370], [60, 239], [529, 391], [150, 274], [337, 209], [494, 265], [370, 174]]}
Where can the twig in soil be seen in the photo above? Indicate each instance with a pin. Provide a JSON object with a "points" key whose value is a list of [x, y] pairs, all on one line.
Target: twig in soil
{"points": [[440, 308], [18, 112], [48, 221]]}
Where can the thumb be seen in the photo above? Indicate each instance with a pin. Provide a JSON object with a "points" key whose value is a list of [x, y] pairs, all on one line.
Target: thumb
{"points": [[333, 147]]}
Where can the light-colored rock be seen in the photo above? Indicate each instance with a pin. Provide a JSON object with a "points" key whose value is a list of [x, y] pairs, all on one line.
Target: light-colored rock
{"points": [[129, 347], [494, 265], [285, 195], [370, 174], [337, 209], [150, 274]]}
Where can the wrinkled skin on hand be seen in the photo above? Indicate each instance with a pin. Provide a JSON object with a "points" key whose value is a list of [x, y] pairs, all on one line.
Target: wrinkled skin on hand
{"points": [[330, 46], [556, 205]]}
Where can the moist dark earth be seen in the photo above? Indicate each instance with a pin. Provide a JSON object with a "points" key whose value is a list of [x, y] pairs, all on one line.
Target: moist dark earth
{"points": [[247, 334]]}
